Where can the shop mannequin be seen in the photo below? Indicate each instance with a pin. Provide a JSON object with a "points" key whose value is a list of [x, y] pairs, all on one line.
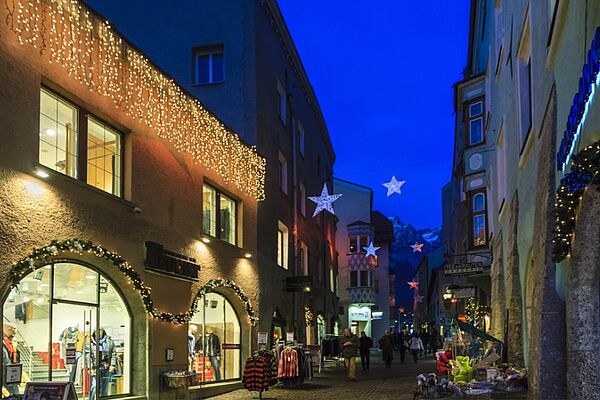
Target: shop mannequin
{"points": [[72, 336], [192, 332], [212, 349], [107, 362], [9, 353]]}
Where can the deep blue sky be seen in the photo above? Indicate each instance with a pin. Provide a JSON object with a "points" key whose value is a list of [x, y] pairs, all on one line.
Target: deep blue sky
{"points": [[383, 72]]}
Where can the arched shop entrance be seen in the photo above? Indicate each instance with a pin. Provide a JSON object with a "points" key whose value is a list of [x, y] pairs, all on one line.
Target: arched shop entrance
{"points": [[214, 339], [69, 322]]}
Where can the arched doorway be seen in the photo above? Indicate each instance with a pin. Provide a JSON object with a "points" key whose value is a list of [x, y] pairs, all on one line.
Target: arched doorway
{"points": [[214, 339], [66, 321]]}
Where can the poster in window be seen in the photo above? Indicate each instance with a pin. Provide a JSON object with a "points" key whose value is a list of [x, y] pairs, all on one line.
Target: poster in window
{"points": [[49, 391]]}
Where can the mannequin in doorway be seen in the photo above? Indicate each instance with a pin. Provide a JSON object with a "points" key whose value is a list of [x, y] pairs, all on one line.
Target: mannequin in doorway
{"points": [[9, 353], [212, 348], [107, 362], [71, 337], [192, 332]]}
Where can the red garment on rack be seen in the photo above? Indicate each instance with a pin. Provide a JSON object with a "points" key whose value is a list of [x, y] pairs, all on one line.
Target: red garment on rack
{"points": [[257, 374], [288, 364]]}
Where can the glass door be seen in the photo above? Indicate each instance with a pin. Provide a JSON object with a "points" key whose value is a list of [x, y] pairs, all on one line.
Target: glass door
{"points": [[74, 349]]}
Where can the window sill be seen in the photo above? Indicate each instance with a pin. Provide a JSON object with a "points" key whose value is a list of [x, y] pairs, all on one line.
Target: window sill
{"points": [[217, 240], [526, 149], [208, 84], [53, 174]]}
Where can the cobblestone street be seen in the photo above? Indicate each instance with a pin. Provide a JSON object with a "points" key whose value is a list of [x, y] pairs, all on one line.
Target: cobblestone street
{"points": [[398, 383]]}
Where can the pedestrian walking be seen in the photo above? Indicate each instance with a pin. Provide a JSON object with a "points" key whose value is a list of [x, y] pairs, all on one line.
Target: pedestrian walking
{"points": [[397, 341], [350, 344], [403, 346], [424, 336], [416, 345], [386, 344], [365, 350]]}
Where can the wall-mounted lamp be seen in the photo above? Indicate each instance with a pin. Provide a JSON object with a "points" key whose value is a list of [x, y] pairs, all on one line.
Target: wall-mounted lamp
{"points": [[206, 240], [41, 173], [247, 255]]}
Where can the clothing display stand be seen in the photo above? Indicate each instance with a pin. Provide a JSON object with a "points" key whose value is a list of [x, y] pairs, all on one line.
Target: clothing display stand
{"points": [[260, 372], [331, 349]]}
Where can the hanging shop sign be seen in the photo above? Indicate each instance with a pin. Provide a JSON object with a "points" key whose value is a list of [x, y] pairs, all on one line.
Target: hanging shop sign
{"points": [[588, 86], [164, 261], [377, 315], [471, 268], [360, 314]]}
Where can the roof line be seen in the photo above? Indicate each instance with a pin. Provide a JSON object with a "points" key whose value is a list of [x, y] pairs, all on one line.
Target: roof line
{"points": [[290, 47]]}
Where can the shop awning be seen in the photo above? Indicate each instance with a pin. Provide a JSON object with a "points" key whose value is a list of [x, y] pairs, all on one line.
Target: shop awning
{"points": [[475, 332]]}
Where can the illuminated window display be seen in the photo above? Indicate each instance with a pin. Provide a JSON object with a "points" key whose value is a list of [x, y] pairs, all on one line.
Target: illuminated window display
{"points": [[214, 340], [69, 323]]}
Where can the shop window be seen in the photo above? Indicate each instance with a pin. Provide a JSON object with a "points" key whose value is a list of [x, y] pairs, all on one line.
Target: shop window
{"points": [[221, 224], [282, 245], [214, 340], [208, 65], [62, 129], [320, 328], [77, 331]]}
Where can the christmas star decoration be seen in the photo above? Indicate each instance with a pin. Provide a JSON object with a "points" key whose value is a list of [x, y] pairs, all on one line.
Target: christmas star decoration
{"points": [[394, 186], [419, 299], [413, 284], [324, 201], [417, 247], [371, 250]]}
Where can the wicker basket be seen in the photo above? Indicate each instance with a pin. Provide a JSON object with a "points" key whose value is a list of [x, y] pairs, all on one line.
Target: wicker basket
{"points": [[179, 380]]}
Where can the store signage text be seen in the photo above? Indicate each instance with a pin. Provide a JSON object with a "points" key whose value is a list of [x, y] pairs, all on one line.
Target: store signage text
{"points": [[588, 85], [463, 269], [377, 314], [161, 260], [231, 346], [360, 314]]}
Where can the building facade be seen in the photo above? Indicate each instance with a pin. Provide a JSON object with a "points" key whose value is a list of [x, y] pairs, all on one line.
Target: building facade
{"points": [[127, 249], [541, 83], [240, 61], [363, 279]]}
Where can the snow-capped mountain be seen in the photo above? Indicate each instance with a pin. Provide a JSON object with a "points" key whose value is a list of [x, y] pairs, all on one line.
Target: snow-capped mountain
{"points": [[404, 261]]}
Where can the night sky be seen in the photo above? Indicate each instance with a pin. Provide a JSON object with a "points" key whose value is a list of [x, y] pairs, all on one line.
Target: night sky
{"points": [[383, 73]]}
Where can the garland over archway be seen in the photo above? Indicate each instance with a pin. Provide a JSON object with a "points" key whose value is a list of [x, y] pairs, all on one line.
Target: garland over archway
{"points": [[584, 172], [212, 284], [43, 255]]}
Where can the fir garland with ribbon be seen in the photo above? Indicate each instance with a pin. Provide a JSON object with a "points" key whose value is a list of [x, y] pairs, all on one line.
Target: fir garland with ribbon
{"points": [[41, 256], [584, 171]]}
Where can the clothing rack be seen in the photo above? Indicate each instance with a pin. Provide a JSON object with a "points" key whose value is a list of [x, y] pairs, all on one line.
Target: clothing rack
{"points": [[295, 365], [260, 372], [331, 349]]}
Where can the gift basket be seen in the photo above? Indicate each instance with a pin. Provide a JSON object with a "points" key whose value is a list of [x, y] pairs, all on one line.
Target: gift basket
{"points": [[180, 379]]}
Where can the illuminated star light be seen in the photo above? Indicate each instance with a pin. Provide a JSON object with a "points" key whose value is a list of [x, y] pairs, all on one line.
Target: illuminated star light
{"points": [[324, 201], [394, 186], [417, 247], [371, 250], [413, 284], [419, 299]]}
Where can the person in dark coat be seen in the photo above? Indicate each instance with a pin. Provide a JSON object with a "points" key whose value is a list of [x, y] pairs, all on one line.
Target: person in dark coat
{"points": [[365, 350], [386, 344]]}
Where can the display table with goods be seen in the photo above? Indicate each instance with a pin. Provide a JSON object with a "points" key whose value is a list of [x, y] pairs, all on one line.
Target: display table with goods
{"points": [[468, 367]]}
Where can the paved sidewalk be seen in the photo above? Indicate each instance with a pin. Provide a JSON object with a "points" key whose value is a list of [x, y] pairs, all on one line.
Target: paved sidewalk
{"points": [[378, 383]]}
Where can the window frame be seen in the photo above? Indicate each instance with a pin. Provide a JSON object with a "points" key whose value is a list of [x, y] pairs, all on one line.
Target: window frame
{"points": [[524, 132], [469, 119], [472, 214], [283, 252], [283, 173], [218, 194], [301, 140], [282, 102], [356, 282], [210, 51], [83, 115], [302, 193], [552, 15]]}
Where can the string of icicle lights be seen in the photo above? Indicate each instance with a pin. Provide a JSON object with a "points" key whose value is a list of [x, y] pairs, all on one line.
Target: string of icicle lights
{"points": [[68, 34]]}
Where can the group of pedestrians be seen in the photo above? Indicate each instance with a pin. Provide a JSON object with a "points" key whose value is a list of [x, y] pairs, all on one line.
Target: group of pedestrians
{"points": [[352, 346]]}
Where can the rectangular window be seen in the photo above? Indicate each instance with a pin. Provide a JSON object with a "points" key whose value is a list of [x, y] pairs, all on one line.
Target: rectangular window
{"points": [[282, 245], [303, 259], [58, 134], [501, 169], [301, 139], [364, 278], [475, 122], [221, 224], [282, 102], [79, 145], [283, 174], [364, 242], [353, 279], [525, 99], [103, 157], [208, 65], [478, 219], [353, 244], [302, 199], [331, 279]]}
